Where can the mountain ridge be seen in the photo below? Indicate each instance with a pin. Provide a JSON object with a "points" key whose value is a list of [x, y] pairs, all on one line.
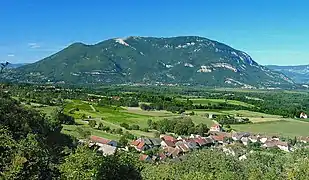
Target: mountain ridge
{"points": [[190, 60], [298, 73]]}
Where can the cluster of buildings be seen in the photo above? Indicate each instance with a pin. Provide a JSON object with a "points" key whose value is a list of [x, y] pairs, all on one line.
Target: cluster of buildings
{"points": [[171, 147]]}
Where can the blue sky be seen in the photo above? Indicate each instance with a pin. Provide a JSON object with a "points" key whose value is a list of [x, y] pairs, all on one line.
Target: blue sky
{"points": [[271, 31]]}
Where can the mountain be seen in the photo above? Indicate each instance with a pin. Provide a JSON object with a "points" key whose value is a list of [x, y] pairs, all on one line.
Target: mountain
{"points": [[184, 60], [300, 74], [16, 65]]}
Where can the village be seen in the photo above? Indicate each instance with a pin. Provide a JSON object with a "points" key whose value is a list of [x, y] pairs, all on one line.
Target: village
{"points": [[170, 147]]}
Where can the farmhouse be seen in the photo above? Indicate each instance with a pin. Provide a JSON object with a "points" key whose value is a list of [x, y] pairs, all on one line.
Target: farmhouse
{"points": [[99, 141]]}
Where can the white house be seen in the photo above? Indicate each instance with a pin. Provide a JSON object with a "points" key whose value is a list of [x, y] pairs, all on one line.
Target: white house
{"points": [[303, 115], [216, 128], [107, 149]]}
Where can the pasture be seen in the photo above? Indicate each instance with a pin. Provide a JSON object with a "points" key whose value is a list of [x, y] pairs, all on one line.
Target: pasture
{"points": [[287, 127]]}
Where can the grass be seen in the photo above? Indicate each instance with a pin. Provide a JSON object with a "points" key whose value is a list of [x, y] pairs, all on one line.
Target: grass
{"points": [[48, 110], [246, 113], [71, 130], [199, 119], [281, 128], [137, 110], [109, 116]]}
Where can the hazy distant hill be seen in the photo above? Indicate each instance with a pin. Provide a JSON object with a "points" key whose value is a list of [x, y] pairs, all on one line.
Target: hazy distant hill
{"points": [[299, 74], [177, 60]]}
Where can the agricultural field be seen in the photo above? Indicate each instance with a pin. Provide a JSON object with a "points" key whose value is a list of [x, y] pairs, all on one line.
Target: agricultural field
{"points": [[114, 116], [110, 116], [203, 101], [287, 127]]}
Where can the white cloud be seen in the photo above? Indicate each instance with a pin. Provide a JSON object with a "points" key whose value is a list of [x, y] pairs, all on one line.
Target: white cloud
{"points": [[34, 45], [11, 55]]}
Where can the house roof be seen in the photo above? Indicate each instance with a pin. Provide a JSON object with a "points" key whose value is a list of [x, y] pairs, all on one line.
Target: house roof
{"points": [[135, 143], [191, 144], [218, 137], [169, 143], [176, 152], [98, 139], [281, 143], [216, 126], [183, 146], [156, 141], [200, 141], [162, 156], [141, 145], [146, 141], [107, 149], [169, 138], [144, 157], [168, 150], [209, 140]]}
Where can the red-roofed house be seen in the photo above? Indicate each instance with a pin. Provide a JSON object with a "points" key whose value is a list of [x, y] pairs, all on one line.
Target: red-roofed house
{"points": [[168, 138], [99, 141], [218, 138], [144, 157], [139, 145], [201, 142]]}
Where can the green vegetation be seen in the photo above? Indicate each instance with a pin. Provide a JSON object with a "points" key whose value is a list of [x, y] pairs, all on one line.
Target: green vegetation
{"points": [[155, 60], [39, 141], [217, 101]]}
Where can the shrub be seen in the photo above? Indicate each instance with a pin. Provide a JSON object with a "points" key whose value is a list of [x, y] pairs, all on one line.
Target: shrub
{"points": [[135, 127], [145, 129], [125, 125], [101, 126], [118, 131], [92, 123]]}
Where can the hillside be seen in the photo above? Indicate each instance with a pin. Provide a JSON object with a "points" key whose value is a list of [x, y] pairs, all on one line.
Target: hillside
{"points": [[186, 60], [299, 74]]}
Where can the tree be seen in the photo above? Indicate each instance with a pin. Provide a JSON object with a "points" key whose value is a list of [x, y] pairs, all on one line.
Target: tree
{"points": [[149, 123], [125, 125], [101, 126], [134, 127], [83, 133], [118, 131], [92, 123], [123, 141], [83, 116], [202, 129]]}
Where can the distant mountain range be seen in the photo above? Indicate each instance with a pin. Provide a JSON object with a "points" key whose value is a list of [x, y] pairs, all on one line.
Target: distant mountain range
{"points": [[299, 74], [185, 60]]}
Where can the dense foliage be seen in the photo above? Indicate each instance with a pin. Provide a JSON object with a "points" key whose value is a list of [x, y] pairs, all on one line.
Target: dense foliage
{"points": [[214, 164]]}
